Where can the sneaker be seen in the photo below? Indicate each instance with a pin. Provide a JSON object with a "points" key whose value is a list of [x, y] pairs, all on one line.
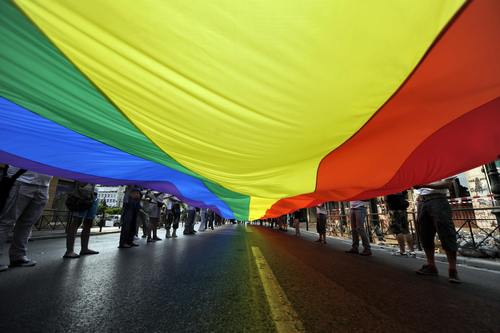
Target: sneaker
{"points": [[399, 254], [144, 236], [366, 253], [352, 251], [3, 268], [428, 270], [134, 244], [453, 277], [157, 238], [22, 263], [412, 254]]}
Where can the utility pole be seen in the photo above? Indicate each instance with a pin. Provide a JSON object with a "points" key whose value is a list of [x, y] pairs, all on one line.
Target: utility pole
{"points": [[494, 179]]}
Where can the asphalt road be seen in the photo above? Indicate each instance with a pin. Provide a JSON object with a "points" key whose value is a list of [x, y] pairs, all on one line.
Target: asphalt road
{"points": [[211, 282]]}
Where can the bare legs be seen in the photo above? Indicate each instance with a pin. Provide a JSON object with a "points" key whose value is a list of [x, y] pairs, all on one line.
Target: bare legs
{"points": [[85, 236]]}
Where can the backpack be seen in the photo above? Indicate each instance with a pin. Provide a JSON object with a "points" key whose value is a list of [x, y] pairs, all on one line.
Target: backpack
{"points": [[82, 198], [397, 202]]}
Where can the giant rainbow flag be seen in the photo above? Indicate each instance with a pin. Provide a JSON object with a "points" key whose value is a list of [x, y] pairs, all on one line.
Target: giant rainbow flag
{"points": [[252, 107]]}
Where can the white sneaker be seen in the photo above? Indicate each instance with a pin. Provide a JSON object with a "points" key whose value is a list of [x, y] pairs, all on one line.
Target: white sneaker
{"points": [[399, 254], [412, 254]]}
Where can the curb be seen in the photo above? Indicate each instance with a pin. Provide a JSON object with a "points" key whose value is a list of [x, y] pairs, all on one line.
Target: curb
{"points": [[465, 261], [63, 235]]}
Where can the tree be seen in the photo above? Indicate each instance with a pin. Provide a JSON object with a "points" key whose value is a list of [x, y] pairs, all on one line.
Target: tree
{"points": [[101, 209], [113, 210]]}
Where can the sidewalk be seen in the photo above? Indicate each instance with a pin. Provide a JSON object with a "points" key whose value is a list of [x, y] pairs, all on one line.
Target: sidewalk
{"points": [[60, 233], [489, 264]]}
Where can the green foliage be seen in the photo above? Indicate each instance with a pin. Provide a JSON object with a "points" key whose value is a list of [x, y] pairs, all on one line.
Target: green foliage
{"points": [[102, 207], [113, 211]]}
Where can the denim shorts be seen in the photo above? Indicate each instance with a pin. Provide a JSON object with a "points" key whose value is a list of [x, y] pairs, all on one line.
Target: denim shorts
{"points": [[89, 213]]}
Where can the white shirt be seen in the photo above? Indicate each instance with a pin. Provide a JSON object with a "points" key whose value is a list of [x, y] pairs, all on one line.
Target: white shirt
{"points": [[30, 177], [427, 191], [320, 210], [357, 204]]}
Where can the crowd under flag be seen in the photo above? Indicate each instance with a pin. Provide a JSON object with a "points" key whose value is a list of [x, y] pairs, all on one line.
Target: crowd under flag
{"points": [[253, 108]]}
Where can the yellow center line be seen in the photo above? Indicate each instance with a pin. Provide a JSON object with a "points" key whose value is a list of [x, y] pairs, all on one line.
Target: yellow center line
{"points": [[284, 316]]}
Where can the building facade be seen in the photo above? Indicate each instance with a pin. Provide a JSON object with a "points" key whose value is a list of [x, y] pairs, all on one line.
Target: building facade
{"points": [[112, 195]]}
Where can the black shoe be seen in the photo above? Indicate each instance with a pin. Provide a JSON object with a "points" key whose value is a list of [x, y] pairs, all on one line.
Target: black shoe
{"points": [[366, 253], [134, 244], [124, 246], [352, 251], [428, 270], [157, 238], [22, 263]]}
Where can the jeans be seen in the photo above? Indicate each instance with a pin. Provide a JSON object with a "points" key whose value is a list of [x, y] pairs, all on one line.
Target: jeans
{"points": [[358, 228], [22, 210]]}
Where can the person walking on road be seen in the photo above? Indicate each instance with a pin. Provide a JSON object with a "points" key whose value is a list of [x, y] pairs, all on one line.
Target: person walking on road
{"points": [[173, 218], [189, 225], [131, 210], [85, 195], [321, 223], [203, 219], [358, 216], [168, 216], [296, 222], [143, 217], [155, 201], [24, 205], [397, 205], [434, 216], [210, 218]]}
